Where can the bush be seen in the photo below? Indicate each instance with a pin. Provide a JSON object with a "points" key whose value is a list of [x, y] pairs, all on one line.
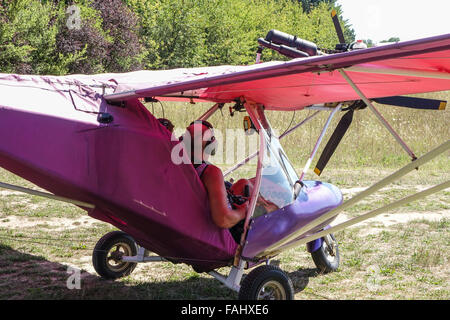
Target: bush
{"points": [[87, 40], [120, 24], [28, 38], [107, 38]]}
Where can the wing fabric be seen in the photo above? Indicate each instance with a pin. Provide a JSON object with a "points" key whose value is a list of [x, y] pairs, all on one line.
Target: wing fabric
{"points": [[402, 68]]}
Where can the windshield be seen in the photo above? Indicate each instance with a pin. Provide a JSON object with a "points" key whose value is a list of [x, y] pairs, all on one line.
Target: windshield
{"points": [[277, 180]]}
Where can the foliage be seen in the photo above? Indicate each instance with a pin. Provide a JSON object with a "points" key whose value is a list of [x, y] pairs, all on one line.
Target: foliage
{"points": [[309, 5], [127, 35], [107, 39], [28, 38], [369, 43], [200, 32], [88, 41], [123, 52]]}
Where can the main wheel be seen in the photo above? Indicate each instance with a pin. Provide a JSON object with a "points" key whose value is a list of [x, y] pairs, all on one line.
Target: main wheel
{"points": [[326, 258], [266, 283], [108, 253]]}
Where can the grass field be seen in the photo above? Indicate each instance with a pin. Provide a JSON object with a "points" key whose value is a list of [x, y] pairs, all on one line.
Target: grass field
{"points": [[403, 254]]}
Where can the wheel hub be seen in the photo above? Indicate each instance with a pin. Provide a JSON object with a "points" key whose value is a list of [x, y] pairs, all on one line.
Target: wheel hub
{"points": [[115, 254], [330, 245], [272, 290]]}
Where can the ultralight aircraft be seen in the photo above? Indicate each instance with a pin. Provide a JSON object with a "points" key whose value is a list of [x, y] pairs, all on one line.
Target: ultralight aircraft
{"points": [[90, 141]]}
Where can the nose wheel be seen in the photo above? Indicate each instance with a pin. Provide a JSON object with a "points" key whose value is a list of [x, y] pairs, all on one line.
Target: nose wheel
{"points": [[327, 258]]}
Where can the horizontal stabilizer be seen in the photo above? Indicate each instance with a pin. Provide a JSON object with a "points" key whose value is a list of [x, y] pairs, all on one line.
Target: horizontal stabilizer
{"points": [[415, 103]]}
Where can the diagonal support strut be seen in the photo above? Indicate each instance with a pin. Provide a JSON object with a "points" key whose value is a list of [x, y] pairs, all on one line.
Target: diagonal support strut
{"points": [[377, 114]]}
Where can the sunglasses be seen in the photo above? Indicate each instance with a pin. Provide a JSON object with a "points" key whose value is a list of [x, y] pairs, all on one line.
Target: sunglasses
{"points": [[166, 123], [203, 122]]}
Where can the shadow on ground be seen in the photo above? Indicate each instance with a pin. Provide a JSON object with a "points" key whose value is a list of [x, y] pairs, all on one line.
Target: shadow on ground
{"points": [[300, 278], [25, 276]]}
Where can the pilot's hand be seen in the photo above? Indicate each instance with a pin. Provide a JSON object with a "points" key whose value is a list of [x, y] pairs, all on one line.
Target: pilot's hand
{"points": [[242, 208]]}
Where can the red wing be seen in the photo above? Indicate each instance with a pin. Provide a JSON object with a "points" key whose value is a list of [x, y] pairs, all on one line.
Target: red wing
{"points": [[402, 68]]}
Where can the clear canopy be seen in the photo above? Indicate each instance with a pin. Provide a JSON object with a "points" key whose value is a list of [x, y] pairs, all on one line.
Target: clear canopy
{"points": [[278, 177]]}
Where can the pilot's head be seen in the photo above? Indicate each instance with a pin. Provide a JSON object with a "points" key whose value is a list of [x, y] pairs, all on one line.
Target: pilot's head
{"points": [[200, 141]]}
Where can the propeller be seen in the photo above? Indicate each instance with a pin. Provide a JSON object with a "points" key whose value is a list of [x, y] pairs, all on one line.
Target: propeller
{"points": [[414, 103], [338, 134], [337, 26], [334, 141], [346, 120]]}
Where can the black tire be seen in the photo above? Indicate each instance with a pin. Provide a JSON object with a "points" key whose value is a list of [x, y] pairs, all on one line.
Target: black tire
{"points": [[107, 254], [327, 260], [271, 278]]}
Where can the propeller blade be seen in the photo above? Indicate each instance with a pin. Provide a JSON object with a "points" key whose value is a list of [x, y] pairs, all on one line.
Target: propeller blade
{"points": [[337, 26], [334, 141], [414, 103]]}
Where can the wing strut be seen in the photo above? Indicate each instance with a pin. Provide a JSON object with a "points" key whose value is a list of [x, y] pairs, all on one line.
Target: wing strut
{"points": [[368, 215], [377, 114], [319, 141], [211, 111], [46, 195]]}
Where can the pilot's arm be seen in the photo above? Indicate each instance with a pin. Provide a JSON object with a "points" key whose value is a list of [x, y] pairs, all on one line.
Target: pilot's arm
{"points": [[222, 215]]}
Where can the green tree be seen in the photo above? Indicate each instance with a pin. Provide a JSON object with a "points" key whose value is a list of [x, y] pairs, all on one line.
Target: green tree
{"points": [[171, 32], [309, 5], [191, 33], [121, 26], [28, 38]]}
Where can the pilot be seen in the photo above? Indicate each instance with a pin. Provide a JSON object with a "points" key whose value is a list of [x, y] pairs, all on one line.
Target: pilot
{"points": [[225, 213]]}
